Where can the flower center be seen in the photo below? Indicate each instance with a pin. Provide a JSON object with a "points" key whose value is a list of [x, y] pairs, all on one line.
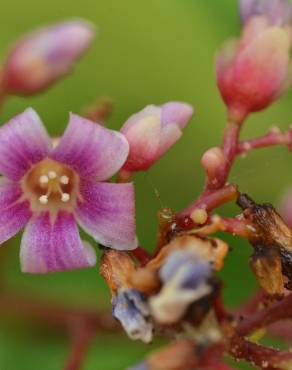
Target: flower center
{"points": [[52, 185]]}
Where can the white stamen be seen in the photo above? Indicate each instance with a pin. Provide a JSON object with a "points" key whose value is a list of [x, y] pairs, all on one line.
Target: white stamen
{"points": [[64, 180], [43, 199], [52, 175], [65, 197], [43, 179]]}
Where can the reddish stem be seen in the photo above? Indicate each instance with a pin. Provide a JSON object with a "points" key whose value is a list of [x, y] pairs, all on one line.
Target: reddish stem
{"points": [[141, 255], [229, 146], [274, 137], [235, 226], [53, 313], [251, 306], [213, 358], [211, 199], [82, 337], [263, 357], [281, 329], [216, 193], [277, 311]]}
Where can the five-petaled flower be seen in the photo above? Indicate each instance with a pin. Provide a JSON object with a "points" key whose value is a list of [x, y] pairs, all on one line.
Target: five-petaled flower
{"points": [[52, 188]]}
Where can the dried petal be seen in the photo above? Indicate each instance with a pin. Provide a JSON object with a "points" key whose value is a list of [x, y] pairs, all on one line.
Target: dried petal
{"points": [[131, 309]]}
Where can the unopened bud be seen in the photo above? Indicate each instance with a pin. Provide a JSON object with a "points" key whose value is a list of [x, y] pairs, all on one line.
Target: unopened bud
{"points": [[253, 72], [199, 216], [152, 131], [212, 161], [45, 56]]}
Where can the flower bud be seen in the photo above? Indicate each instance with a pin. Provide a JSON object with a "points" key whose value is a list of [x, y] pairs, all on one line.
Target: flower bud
{"points": [[45, 56], [279, 12], [213, 161], [252, 72], [152, 131]]}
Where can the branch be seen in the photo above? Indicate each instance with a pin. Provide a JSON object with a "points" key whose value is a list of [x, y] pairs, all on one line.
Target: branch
{"points": [[54, 314], [263, 357], [277, 311], [273, 137], [211, 199], [81, 339]]}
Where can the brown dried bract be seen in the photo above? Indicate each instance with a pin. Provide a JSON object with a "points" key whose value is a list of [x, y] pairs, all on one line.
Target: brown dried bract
{"points": [[117, 267], [267, 266], [270, 228], [272, 240]]}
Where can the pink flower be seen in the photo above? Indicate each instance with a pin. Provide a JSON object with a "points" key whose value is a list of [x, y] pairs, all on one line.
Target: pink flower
{"points": [[152, 131], [50, 190], [46, 55], [252, 72]]}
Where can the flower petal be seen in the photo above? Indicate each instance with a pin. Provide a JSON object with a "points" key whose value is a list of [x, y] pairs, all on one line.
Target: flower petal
{"points": [[107, 213], [253, 74], [176, 112], [90, 149], [144, 138], [49, 246], [170, 134], [23, 142], [14, 214]]}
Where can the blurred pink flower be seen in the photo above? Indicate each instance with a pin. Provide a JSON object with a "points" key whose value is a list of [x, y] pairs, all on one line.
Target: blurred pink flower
{"points": [[152, 131], [51, 189], [253, 71], [46, 55], [285, 207], [279, 12]]}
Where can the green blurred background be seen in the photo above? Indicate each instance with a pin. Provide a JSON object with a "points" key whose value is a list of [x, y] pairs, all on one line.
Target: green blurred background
{"points": [[147, 51]]}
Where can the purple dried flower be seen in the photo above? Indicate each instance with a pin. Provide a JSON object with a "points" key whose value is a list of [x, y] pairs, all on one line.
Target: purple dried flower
{"points": [[45, 56], [131, 309], [184, 276], [51, 189]]}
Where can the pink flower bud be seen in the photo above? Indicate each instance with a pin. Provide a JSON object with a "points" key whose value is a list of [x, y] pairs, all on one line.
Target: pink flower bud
{"points": [[252, 72], [213, 161], [152, 131], [279, 12], [46, 55]]}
